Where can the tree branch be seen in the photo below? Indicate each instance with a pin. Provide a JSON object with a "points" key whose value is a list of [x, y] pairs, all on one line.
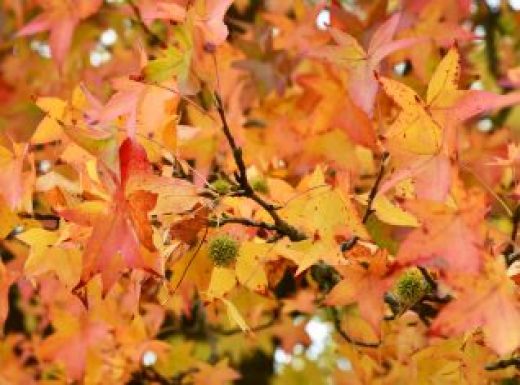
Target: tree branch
{"points": [[150, 374], [503, 364], [510, 254], [217, 222], [491, 21], [49, 221], [349, 244], [375, 188], [282, 227]]}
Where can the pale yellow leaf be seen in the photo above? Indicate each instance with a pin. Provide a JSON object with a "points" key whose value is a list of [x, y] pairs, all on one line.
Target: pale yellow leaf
{"points": [[235, 316], [249, 266], [389, 213], [221, 282]]}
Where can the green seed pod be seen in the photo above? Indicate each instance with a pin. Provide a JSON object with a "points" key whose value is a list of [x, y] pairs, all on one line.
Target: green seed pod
{"points": [[221, 186], [411, 287], [223, 250], [260, 185]]}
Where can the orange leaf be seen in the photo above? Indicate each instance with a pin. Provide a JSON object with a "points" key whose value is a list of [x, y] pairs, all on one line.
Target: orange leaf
{"points": [[219, 374], [364, 285]]}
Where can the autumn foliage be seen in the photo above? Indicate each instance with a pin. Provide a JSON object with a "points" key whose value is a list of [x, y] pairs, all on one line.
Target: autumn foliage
{"points": [[192, 190]]}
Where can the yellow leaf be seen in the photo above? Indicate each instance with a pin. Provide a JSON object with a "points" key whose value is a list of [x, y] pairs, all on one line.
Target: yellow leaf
{"points": [[49, 129], [8, 219], [53, 179], [192, 269], [169, 134], [249, 265], [329, 209], [79, 99], [48, 256], [389, 213], [221, 282], [180, 358], [443, 86], [413, 130], [38, 238], [417, 128], [235, 316], [306, 253]]}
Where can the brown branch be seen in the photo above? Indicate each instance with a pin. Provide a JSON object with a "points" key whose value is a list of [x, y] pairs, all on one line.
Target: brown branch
{"points": [[373, 191], [350, 243], [49, 221], [510, 254], [150, 374], [515, 220], [427, 277], [393, 304], [217, 222], [490, 18], [40, 216], [503, 364], [282, 227], [491, 24]]}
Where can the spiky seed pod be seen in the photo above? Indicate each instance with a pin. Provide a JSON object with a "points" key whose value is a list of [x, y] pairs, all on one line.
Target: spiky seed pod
{"points": [[411, 287], [223, 250], [221, 186], [260, 185]]}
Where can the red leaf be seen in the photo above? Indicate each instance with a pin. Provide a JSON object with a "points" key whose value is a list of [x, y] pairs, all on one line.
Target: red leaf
{"points": [[487, 302], [448, 238], [122, 235], [133, 160]]}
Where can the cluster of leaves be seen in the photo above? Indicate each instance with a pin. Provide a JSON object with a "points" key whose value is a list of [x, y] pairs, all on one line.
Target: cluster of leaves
{"points": [[188, 185]]}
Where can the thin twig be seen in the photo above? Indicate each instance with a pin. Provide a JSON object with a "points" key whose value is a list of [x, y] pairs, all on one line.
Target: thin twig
{"points": [[183, 97], [40, 216], [490, 18], [49, 221], [346, 337], [185, 271], [510, 254], [515, 219], [150, 374], [246, 190], [350, 243], [427, 277], [503, 364], [373, 191], [217, 222], [394, 304]]}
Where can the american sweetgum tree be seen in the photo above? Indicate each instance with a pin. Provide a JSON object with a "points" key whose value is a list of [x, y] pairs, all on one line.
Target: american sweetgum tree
{"points": [[283, 192]]}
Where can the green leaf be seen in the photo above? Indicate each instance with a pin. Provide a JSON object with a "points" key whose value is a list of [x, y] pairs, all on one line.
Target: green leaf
{"points": [[175, 61]]}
